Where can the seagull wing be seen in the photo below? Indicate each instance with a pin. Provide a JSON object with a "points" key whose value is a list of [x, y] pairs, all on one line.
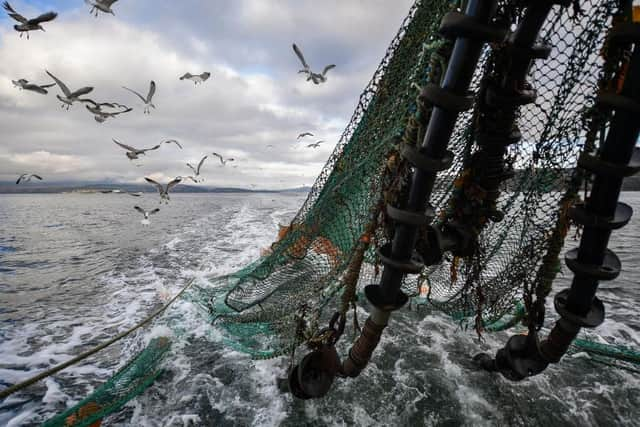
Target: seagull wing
{"points": [[158, 186], [139, 209], [192, 168], [12, 13], [231, 160], [220, 157], [108, 2], [152, 91], [91, 101], [37, 177], [82, 91], [21, 178], [63, 87], [156, 210], [125, 146], [49, 16], [34, 88], [173, 141], [136, 93], [186, 76], [300, 56], [48, 85], [115, 113], [303, 134], [173, 183], [327, 68], [200, 164], [150, 149]]}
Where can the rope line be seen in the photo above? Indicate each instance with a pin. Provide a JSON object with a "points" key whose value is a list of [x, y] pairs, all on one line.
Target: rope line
{"points": [[16, 387]]}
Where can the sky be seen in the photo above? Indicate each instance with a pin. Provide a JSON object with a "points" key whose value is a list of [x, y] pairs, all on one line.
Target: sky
{"points": [[254, 98]]}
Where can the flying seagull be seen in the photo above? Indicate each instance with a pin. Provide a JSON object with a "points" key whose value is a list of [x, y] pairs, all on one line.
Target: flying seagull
{"points": [[196, 170], [147, 101], [101, 115], [317, 78], [69, 97], [100, 5], [315, 144], [133, 153], [23, 84], [196, 78], [173, 141], [26, 177], [146, 214], [27, 25], [303, 134], [164, 190], [222, 159]]}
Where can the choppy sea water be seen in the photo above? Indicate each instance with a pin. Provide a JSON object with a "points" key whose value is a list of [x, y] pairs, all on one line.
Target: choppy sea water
{"points": [[76, 269]]}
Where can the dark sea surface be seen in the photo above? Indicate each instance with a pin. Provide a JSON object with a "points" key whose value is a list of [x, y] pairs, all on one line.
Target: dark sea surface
{"points": [[76, 269]]}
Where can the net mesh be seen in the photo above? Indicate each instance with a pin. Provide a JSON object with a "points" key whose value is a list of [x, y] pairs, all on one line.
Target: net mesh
{"points": [[130, 381], [270, 306], [329, 251]]}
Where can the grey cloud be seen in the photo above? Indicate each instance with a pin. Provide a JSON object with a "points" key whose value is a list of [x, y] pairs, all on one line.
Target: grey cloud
{"points": [[254, 98]]}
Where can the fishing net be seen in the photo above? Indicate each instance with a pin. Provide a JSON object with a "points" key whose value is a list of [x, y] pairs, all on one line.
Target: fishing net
{"points": [[274, 304], [321, 261], [130, 381]]}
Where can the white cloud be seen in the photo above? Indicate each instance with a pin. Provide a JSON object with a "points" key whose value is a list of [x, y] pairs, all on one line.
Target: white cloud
{"points": [[254, 98]]}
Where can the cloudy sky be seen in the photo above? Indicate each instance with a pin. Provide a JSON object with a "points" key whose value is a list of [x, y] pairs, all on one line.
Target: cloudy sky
{"points": [[254, 98]]}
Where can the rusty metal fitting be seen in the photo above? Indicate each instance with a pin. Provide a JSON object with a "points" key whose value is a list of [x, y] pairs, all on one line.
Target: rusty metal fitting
{"points": [[362, 349], [559, 340]]}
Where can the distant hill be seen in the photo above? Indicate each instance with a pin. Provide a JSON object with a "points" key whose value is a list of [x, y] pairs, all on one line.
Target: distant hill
{"points": [[630, 184], [97, 187]]}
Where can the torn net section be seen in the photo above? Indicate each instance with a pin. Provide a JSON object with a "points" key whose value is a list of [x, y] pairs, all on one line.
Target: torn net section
{"points": [[262, 306]]}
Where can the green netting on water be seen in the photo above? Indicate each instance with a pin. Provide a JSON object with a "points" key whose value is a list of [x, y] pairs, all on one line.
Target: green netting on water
{"points": [[130, 381], [282, 295], [613, 351]]}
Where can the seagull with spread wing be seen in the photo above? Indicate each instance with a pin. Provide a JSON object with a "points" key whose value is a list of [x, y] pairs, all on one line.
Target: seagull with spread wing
{"points": [[196, 78], [133, 153], [164, 189], [196, 170], [146, 214], [69, 97], [303, 134], [147, 101], [223, 160], [316, 78], [100, 6], [23, 84], [100, 115], [26, 177], [315, 144], [26, 25]]}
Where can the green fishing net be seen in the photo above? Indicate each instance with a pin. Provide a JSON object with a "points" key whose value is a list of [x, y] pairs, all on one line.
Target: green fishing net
{"points": [[130, 381], [269, 306], [313, 269]]}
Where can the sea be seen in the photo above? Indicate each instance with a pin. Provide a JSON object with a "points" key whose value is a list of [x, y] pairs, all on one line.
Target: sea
{"points": [[77, 269]]}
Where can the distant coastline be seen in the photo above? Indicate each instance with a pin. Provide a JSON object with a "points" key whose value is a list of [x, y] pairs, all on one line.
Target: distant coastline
{"points": [[111, 187], [631, 183]]}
